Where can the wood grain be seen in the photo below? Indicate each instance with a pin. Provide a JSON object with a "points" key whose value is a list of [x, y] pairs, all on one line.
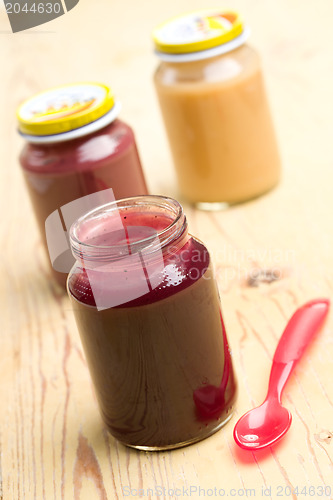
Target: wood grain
{"points": [[52, 442]]}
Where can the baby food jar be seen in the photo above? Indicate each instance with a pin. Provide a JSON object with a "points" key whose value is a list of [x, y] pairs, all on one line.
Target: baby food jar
{"points": [[76, 146], [148, 312], [212, 97]]}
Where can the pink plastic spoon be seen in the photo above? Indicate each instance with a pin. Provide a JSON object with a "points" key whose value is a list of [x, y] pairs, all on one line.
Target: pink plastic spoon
{"points": [[266, 424]]}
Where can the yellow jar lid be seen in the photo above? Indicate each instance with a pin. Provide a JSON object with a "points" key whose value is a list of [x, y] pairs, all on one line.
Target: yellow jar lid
{"points": [[63, 109], [196, 31]]}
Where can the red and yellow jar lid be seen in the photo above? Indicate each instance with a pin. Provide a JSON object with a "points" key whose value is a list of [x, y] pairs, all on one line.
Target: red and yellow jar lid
{"points": [[68, 111], [199, 31]]}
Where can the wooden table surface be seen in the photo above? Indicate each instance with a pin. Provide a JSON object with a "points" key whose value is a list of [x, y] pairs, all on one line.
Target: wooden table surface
{"points": [[52, 442]]}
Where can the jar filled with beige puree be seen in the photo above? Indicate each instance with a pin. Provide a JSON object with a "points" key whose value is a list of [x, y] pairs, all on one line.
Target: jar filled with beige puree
{"points": [[211, 92]]}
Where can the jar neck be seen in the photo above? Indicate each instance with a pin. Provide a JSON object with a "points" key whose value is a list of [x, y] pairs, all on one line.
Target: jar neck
{"points": [[121, 233]]}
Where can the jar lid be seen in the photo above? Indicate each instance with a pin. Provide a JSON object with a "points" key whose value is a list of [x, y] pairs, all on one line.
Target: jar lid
{"points": [[193, 33], [67, 112]]}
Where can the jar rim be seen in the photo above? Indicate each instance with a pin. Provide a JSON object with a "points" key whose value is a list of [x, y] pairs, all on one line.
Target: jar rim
{"points": [[157, 240]]}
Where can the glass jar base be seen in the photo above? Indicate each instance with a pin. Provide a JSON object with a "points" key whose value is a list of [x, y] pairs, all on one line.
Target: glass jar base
{"points": [[215, 206], [208, 206], [183, 443]]}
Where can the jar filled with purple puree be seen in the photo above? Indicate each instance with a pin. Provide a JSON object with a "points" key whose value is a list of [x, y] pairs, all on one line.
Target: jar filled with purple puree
{"points": [[148, 312], [75, 146]]}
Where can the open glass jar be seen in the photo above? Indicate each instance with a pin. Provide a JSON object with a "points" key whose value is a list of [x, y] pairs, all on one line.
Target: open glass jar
{"points": [[76, 146], [213, 101], [148, 312]]}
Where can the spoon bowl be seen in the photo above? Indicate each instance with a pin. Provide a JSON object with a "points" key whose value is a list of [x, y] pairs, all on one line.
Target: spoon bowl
{"points": [[263, 425]]}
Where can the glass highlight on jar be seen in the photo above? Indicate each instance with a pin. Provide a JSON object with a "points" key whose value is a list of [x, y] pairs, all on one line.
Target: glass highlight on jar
{"points": [[213, 101], [76, 146], [147, 308]]}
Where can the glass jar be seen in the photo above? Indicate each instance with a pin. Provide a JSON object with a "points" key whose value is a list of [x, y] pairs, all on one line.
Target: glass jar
{"points": [[213, 101], [147, 309], [76, 146]]}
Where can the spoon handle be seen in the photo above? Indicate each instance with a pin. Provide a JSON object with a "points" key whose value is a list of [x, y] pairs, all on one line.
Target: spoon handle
{"points": [[300, 329], [298, 333]]}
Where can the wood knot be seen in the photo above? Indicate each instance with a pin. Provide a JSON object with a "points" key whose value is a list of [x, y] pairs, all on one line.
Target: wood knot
{"points": [[259, 276], [324, 436]]}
